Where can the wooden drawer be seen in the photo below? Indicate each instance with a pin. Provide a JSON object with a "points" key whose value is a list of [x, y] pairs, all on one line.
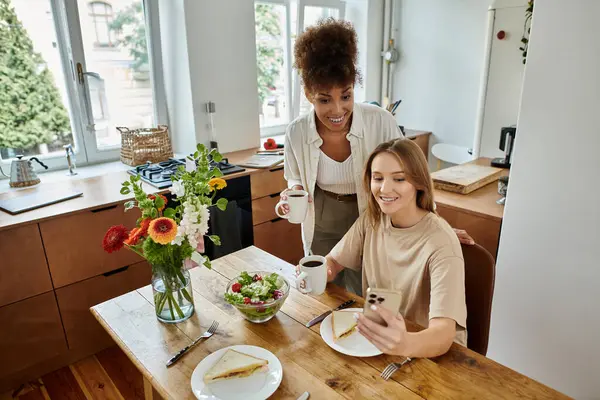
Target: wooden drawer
{"points": [[31, 333], [24, 272], [423, 142], [74, 301], [74, 244], [267, 182], [263, 209], [486, 232], [281, 239]]}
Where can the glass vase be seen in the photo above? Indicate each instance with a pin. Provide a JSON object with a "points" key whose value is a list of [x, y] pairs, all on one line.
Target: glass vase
{"points": [[173, 296]]}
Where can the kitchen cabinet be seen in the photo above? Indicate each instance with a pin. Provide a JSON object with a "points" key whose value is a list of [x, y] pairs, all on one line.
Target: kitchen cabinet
{"points": [[273, 234], [280, 238], [74, 244], [24, 272], [485, 232], [31, 333], [82, 330]]}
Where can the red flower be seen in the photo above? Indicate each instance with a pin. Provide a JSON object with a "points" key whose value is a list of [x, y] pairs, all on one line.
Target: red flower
{"points": [[114, 238], [153, 197]]}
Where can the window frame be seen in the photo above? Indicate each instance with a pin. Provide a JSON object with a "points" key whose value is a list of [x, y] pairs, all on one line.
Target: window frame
{"points": [[70, 47], [274, 130], [293, 91]]}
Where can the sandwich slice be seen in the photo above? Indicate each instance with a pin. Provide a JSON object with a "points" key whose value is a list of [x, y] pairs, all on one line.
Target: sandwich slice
{"points": [[343, 324], [234, 364]]}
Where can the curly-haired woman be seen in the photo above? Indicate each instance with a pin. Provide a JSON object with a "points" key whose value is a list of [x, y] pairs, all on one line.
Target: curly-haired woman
{"points": [[326, 149]]}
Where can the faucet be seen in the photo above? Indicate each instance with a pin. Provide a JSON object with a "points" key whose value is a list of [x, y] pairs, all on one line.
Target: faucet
{"points": [[70, 158]]}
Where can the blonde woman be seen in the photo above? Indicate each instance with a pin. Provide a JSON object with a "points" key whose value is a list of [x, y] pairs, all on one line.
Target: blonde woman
{"points": [[326, 149], [400, 243]]}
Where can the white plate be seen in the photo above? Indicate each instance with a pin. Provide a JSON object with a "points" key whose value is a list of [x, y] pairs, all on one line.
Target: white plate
{"points": [[257, 386], [353, 345]]}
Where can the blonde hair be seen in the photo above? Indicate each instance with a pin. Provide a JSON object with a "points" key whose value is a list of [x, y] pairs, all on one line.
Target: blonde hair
{"points": [[416, 172]]}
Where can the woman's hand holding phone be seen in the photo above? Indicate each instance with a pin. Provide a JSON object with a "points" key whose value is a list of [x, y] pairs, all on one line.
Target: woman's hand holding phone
{"points": [[392, 339]]}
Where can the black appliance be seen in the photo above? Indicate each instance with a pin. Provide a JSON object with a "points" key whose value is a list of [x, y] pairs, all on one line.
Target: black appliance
{"points": [[234, 225], [237, 192], [507, 144], [159, 174]]}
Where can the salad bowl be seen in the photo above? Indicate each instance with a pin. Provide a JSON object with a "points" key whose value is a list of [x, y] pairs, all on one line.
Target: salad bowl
{"points": [[257, 295]]}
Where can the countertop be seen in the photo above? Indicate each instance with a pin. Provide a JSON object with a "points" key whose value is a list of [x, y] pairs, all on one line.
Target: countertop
{"points": [[98, 191], [100, 185]]}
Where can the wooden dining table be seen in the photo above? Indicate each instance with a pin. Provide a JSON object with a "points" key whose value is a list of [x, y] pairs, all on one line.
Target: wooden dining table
{"points": [[309, 364]]}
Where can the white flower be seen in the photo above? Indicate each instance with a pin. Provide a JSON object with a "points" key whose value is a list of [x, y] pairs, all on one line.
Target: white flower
{"points": [[190, 165], [203, 220], [177, 189], [194, 222]]}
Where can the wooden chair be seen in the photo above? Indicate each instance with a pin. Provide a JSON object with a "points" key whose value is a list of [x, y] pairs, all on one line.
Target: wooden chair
{"points": [[480, 273]]}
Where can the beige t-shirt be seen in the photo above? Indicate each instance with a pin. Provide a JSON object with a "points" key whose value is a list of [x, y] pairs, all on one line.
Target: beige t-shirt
{"points": [[423, 262]]}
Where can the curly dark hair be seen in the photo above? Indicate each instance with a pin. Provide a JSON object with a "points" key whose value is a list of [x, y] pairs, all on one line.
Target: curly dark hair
{"points": [[326, 55]]}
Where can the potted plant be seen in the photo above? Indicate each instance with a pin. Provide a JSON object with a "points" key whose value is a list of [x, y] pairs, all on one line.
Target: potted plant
{"points": [[172, 239]]}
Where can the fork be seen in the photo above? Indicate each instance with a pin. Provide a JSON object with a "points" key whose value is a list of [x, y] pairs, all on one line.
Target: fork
{"points": [[393, 367], [209, 332]]}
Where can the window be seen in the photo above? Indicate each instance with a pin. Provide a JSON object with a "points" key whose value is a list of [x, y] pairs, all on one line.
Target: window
{"points": [[277, 24], [102, 15], [64, 89]]}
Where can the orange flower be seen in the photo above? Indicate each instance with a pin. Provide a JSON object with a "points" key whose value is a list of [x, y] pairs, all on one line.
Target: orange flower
{"points": [[217, 183], [153, 197], [162, 230], [144, 226], [134, 237]]}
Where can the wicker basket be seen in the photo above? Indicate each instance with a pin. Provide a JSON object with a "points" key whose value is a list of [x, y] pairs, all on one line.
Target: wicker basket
{"points": [[147, 144]]}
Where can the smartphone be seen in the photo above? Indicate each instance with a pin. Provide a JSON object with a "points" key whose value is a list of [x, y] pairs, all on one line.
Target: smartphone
{"points": [[389, 299]]}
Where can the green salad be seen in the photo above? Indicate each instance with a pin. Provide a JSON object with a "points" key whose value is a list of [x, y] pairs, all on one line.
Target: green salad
{"points": [[256, 295]]}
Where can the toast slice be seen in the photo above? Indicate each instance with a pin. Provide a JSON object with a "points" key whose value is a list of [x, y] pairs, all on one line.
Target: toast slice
{"points": [[343, 324], [234, 364]]}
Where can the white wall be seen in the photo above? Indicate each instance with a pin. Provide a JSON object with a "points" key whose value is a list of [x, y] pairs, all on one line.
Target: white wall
{"points": [[546, 318], [441, 46], [209, 53], [505, 78], [367, 18], [222, 57], [177, 75]]}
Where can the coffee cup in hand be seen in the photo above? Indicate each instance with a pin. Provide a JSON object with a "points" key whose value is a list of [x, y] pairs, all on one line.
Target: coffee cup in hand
{"points": [[297, 201], [313, 275]]}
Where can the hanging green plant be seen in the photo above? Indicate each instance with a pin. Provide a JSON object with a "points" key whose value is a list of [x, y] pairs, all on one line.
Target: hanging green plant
{"points": [[526, 30]]}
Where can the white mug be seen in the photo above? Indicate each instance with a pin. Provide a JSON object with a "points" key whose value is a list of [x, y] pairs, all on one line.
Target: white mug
{"points": [[297, 200], [315, 278]]}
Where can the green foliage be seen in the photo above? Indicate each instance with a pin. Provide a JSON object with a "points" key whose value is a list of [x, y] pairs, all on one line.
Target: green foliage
{"points": [[526, 30], [31, 109], [269, 58], [131, 29], [222, 204]]}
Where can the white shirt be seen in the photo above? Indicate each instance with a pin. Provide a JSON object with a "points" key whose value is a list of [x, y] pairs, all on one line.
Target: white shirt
{"points": [[334, 176], [371, 126]]}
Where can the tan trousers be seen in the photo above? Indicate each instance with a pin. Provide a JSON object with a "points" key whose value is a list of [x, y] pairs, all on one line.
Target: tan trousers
{"points": [[332, 220]]}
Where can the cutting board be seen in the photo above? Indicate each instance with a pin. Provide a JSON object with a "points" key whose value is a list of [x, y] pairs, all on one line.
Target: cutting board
{"points": [[465, 178], [262, 161], [37, 199]]}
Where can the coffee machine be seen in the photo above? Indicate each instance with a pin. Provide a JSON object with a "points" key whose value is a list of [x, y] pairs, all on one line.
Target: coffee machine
{"points": [[507, 144]]}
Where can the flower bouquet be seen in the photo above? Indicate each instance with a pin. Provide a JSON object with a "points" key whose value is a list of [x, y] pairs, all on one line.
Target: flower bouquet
{"points": [[172, 239]]}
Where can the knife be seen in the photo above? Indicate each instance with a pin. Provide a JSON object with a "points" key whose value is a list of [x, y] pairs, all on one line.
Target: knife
{"points": [[304, 396], [326, 313]]}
